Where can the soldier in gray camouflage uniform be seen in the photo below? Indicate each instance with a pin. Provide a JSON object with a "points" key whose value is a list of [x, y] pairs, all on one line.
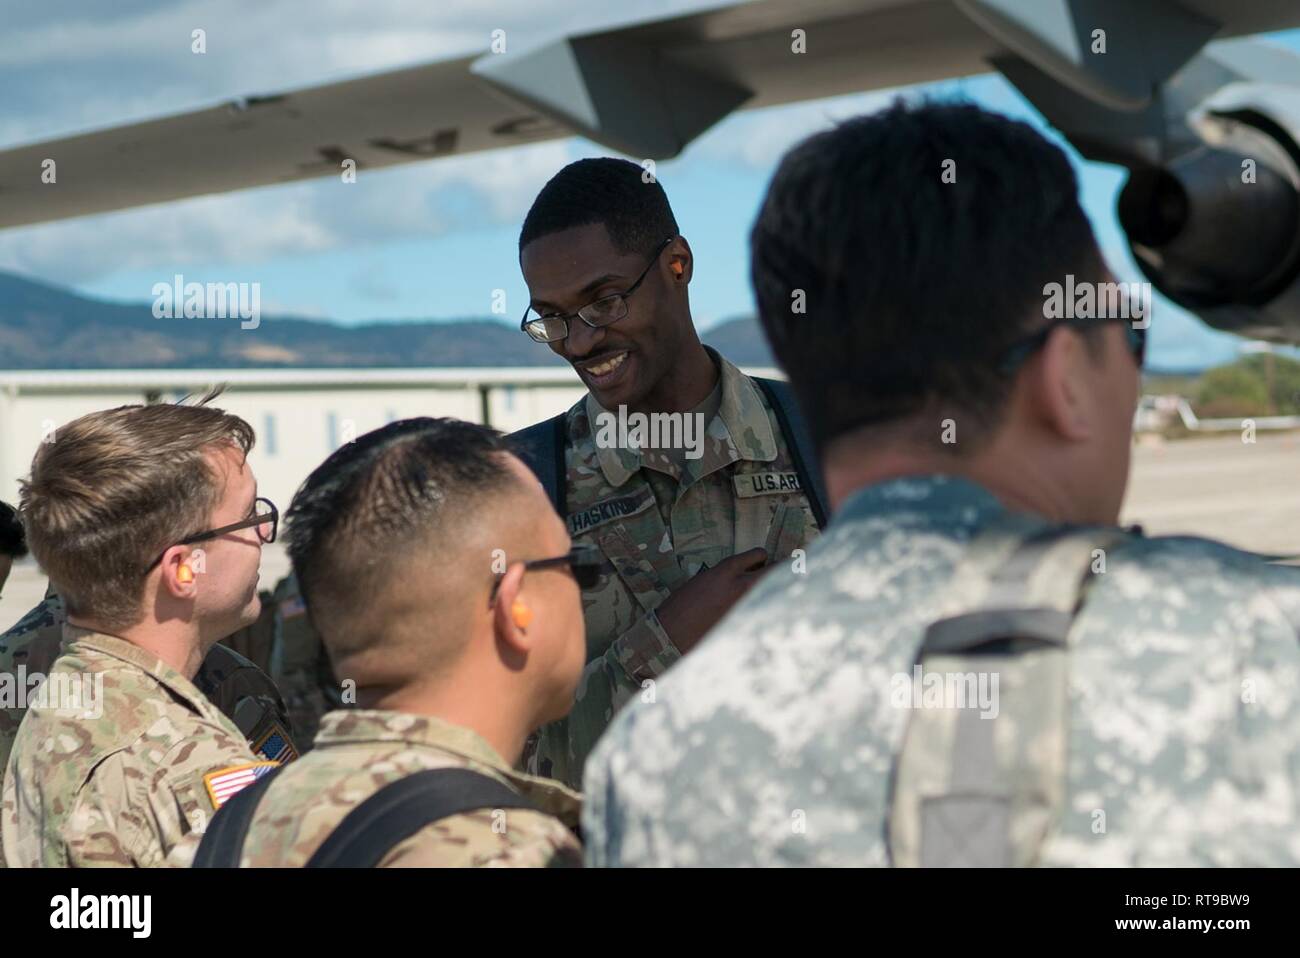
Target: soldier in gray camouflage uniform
{"points": [[977, 667]]}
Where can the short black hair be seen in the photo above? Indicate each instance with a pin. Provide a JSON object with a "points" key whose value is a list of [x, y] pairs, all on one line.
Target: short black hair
{"points": [[13, 540], [388, 488], [913, 284], [620, 194]]}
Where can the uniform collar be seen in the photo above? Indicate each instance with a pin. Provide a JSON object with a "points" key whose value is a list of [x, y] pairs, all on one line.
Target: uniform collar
{"points": [[742, 429], [353, 726], [947, 501], [76, 641]]}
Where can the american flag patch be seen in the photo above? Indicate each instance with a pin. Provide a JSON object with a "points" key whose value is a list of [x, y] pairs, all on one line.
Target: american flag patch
{"points": [[275, 746], [292, 607], [225, 782]]}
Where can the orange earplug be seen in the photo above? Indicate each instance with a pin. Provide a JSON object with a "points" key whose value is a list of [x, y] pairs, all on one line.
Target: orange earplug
{"points": [[522, 614], [184, 574], [678, 268]]}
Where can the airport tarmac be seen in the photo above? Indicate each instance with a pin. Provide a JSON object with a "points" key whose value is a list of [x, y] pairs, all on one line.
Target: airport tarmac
{"points": [[1247, 494]]}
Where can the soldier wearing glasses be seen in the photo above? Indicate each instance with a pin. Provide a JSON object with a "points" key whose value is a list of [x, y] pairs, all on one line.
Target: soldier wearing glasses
{"points": [[148, 522], [683, 533]]}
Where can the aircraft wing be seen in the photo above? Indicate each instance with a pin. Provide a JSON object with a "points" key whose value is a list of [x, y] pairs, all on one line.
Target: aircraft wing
{"points": [[645, 88], [423, 112]]}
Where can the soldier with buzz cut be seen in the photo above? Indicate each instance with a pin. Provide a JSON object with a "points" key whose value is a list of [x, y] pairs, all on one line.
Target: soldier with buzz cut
{"points": [[685, 522], [979, 666], [446, 592], [148, 522]]}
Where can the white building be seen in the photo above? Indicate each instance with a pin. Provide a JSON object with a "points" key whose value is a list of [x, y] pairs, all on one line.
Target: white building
{"points": [[300, 415]]}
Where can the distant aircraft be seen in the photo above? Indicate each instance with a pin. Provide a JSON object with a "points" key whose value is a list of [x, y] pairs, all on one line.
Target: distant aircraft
{"points": [[1209, 133]]}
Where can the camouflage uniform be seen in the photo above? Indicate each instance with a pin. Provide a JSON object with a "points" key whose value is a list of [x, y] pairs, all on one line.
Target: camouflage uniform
{"points": [[237, 687], [657, 526], [775, 742], [357, 752], [122, 782]]}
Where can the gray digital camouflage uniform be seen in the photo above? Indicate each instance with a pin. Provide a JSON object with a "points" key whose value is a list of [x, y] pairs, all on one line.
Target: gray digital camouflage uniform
{"points": [[775, 742]]}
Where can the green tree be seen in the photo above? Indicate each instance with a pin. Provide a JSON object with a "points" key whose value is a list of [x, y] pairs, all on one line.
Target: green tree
{"points": [[1233, 390]]}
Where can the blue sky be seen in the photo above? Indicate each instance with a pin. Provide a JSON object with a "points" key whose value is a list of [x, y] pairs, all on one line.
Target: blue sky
{"points": [[426, 241]]}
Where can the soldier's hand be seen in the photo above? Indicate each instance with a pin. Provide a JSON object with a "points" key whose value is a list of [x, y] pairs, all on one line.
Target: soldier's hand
{"points": [[696, 607]]}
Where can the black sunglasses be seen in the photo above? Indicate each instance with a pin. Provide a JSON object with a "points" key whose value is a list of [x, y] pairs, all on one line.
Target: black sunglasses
{"points": [[584, 563], [264, 513], [1021, 350]]}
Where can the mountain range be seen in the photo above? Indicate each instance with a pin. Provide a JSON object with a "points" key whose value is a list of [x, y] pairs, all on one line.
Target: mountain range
{"points": [[45, 327]]}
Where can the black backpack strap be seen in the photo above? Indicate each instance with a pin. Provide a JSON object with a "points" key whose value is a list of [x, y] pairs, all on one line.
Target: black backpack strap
{"points": [[223, 842], [400, 809], [795, 430], [541, 447]]}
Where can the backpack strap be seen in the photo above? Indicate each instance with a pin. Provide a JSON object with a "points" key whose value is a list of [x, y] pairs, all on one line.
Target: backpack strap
{"points": [[781, 398], [980, 783], [372, 829], [541, 447], [223, 842], [400, 809]]}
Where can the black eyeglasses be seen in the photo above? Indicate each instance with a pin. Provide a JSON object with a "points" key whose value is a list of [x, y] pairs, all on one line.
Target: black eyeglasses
{"points": [[583, 561], [264, 514], [601, 312], [1136, 336]]}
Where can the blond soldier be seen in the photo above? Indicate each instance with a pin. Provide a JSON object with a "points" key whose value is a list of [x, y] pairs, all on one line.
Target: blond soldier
{"points": [[148, 522], [444, 589]]}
